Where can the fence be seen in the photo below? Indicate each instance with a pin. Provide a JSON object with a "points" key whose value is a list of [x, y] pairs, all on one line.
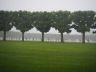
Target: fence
{"points": [[48, 37]]}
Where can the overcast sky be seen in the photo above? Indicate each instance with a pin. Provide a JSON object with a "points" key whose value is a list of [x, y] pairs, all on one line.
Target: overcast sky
{"points": [[47, 5]]}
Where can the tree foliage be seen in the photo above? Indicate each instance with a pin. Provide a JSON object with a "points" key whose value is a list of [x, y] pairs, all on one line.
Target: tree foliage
{"points": [[83, 21], [94, 24], [61, 22], [5, 22], [22, 21], [42, 22]]}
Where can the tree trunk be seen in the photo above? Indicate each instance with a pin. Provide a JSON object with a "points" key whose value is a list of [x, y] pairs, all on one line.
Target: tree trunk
{"points": [[42, 36], [23, 36], [62, 38], [83, 37], [4, 36]]}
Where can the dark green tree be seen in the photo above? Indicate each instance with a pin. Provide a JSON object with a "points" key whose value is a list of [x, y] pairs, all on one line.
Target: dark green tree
{"points": [[42, 22], [61, 22], [83, 21], [94, 32], [94, 25], [5, 22], [22, 21]]}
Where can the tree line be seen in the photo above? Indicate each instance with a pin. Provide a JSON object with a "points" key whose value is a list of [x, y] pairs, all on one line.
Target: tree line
{"points": [[63, 21]]}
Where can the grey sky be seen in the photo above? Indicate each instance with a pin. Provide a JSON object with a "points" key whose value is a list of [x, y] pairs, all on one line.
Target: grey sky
{"points": [[47, 5]]}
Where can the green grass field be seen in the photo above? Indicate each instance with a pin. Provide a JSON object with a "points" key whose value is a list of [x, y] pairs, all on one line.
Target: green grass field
{"points": [[16, 56]]}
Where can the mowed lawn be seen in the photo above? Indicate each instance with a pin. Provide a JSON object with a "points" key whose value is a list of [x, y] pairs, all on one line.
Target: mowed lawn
{"points": [[16, 56]]}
